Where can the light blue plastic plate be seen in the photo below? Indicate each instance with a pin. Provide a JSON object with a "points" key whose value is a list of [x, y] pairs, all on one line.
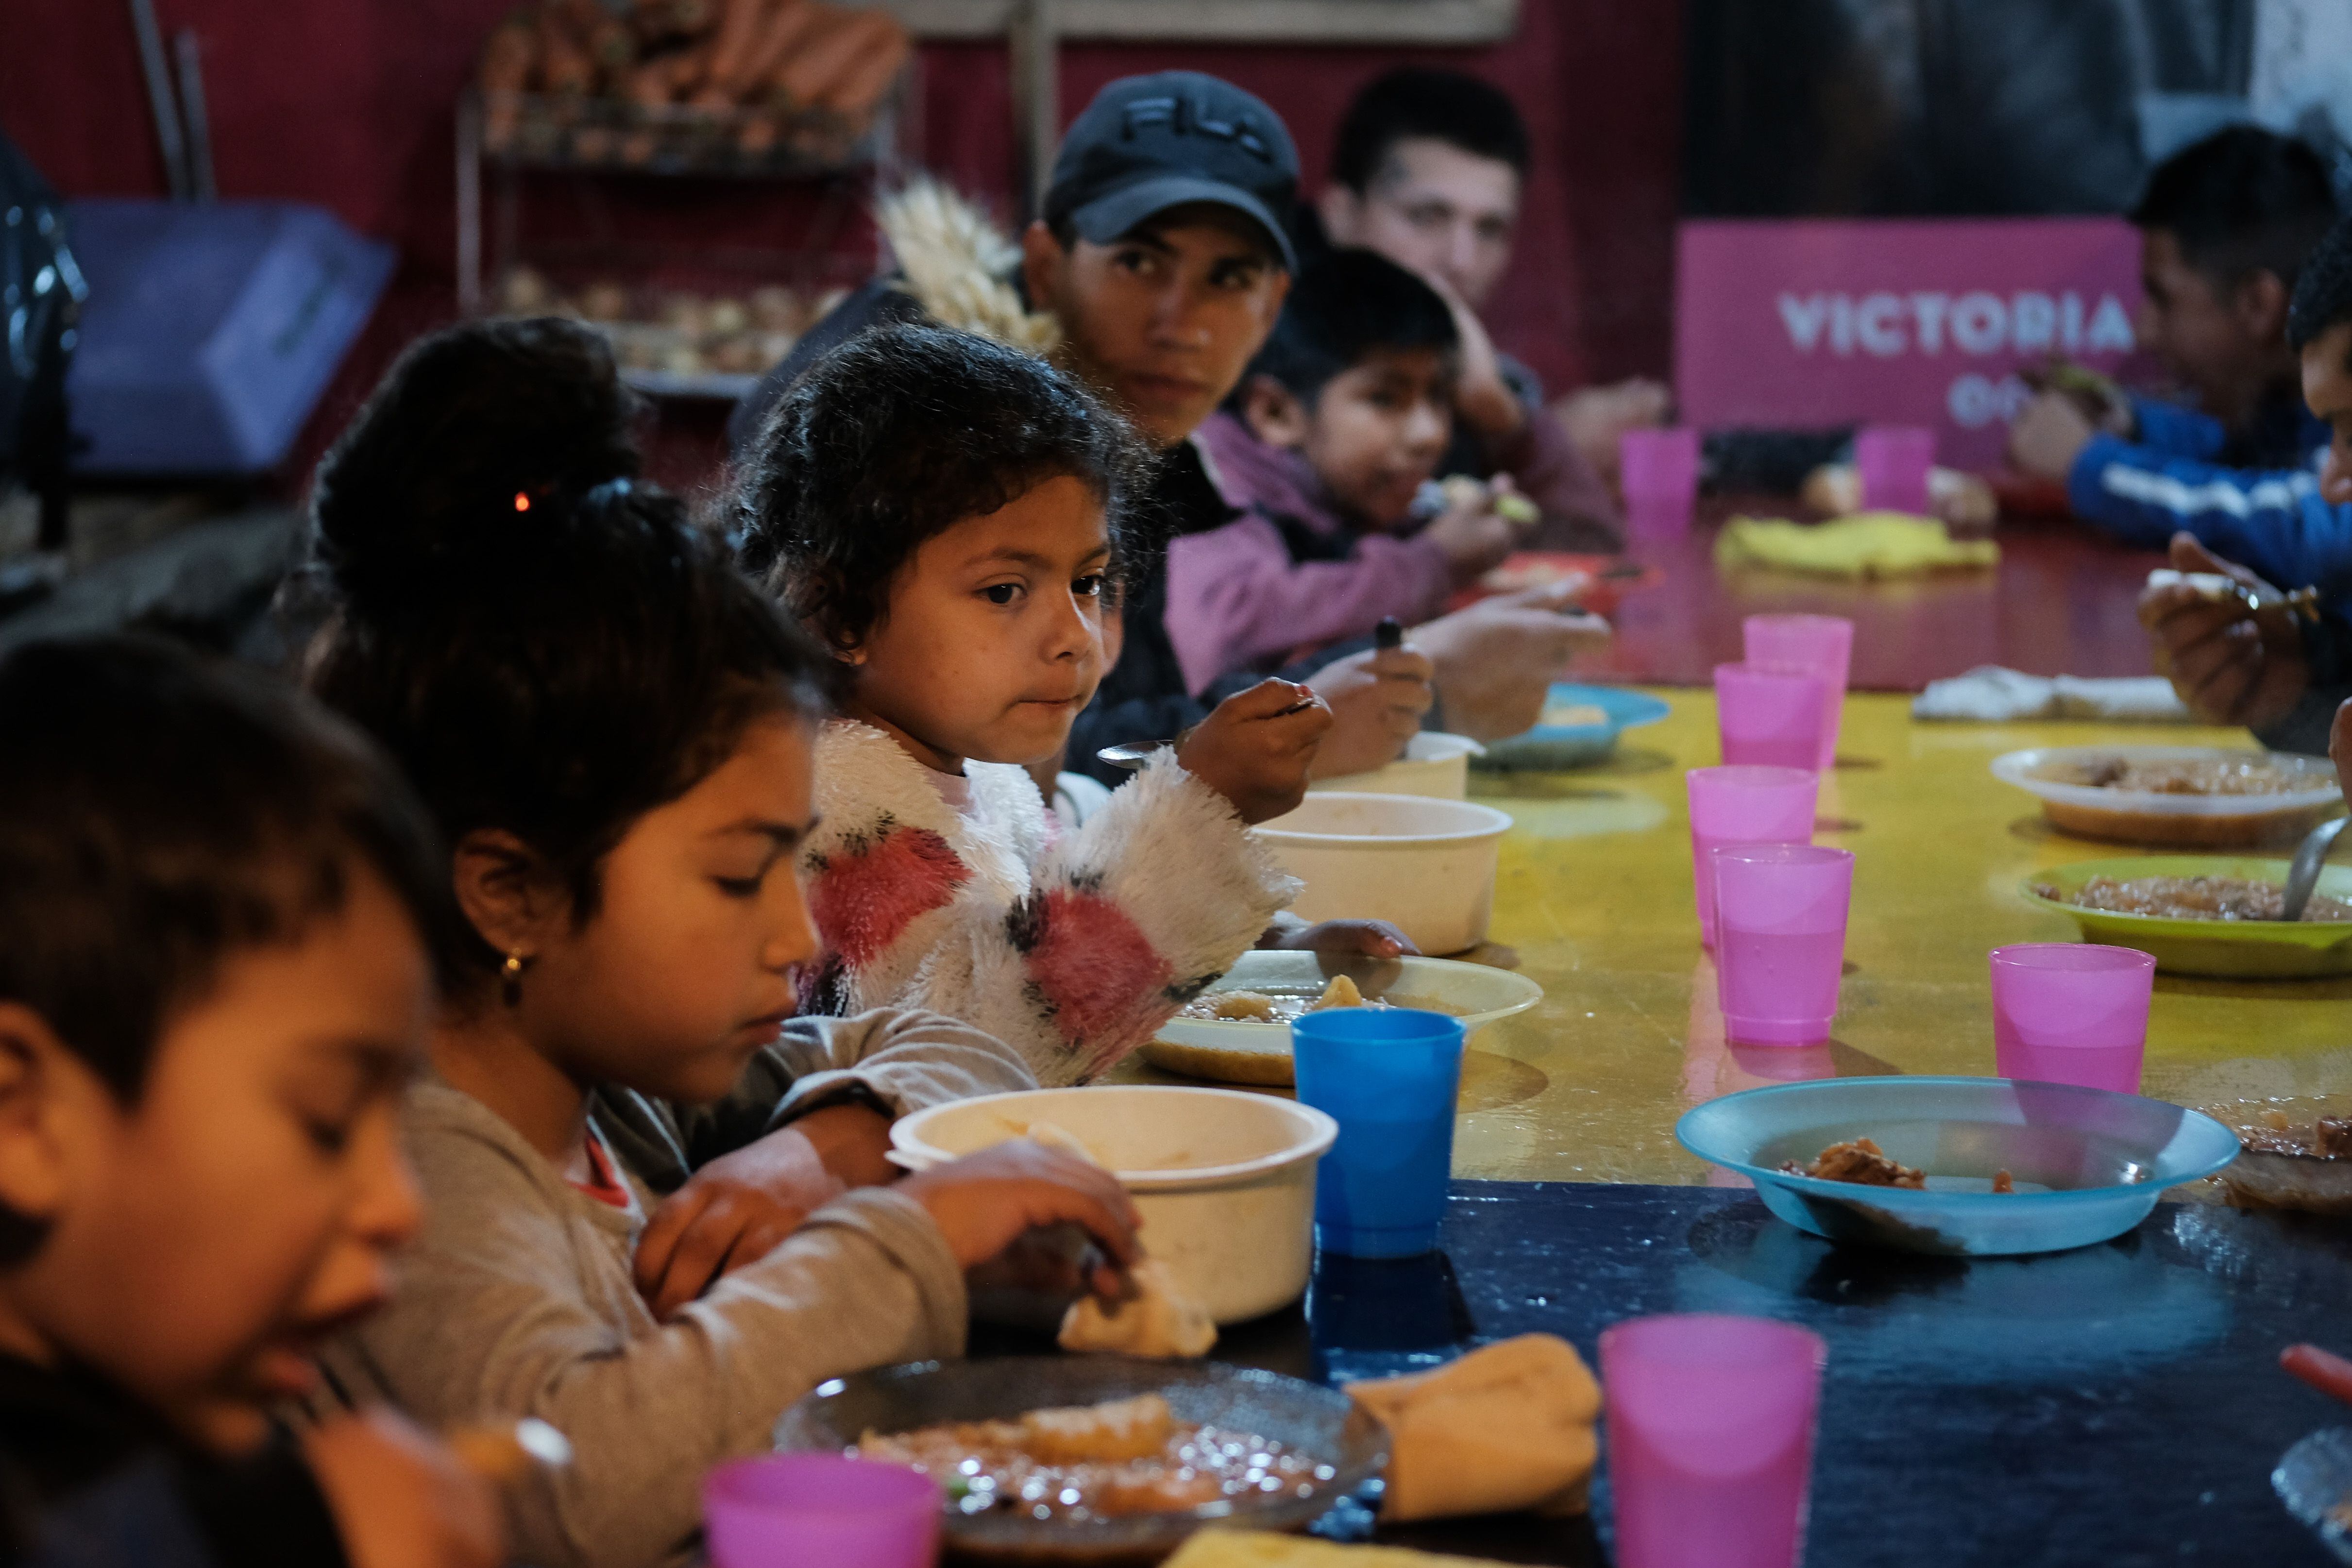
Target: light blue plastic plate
{"points": [[1551, 746], [2088, 1164]]}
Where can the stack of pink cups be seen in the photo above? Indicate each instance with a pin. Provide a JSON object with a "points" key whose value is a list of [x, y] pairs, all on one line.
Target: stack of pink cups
{"points": [[1776, 920]]}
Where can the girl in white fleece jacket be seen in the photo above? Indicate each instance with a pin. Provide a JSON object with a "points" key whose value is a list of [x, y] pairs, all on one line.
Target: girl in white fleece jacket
{"points": [[945, 512]]}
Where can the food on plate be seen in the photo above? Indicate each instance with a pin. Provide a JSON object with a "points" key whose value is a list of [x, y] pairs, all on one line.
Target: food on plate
{"points": [[1461, 490], [1098, 1461], [1261, 1007], [2328, 1137], [1235, 1005], [1862, 1162], [1574, 716], [2192, 898], [2293, 1164], [1522, 573], [1158, 1322], [2227, 774]]}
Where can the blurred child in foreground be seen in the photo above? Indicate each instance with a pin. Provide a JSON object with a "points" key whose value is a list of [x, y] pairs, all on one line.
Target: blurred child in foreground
{"points": [[213, 984]]}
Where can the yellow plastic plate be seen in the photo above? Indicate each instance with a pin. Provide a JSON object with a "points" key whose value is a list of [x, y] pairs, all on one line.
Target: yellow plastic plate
{"points": [[2236, 949]]}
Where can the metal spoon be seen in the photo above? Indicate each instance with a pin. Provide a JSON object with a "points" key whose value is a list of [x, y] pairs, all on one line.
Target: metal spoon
{"points": [[2303, 875], [1131, 754]]}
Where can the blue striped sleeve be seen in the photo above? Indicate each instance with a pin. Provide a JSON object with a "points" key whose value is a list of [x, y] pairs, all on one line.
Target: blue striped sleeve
{"points": [[2180, 432], [2271, 520]]}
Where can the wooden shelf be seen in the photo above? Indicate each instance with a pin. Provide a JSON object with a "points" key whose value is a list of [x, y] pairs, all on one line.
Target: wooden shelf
{"points": [[1229, 21]]}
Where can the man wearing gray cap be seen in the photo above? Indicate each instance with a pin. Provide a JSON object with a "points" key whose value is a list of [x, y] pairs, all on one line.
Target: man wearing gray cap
{"points": [[1162, 256]]}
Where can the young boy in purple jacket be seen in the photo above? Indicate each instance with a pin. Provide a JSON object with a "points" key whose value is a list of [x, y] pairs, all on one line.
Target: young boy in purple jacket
{"points": [[1327, 445], [2226, 226]]}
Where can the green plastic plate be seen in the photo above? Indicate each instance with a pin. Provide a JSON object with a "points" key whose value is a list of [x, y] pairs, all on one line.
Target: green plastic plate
{"points": [[2234, 949]]}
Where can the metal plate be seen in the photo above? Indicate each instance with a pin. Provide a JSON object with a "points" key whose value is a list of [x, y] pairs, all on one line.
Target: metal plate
{"points": [[1306, 1419]]}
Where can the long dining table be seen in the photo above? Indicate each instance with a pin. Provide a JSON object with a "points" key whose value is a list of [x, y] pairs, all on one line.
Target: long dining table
{"points": [[2117, 1405]]}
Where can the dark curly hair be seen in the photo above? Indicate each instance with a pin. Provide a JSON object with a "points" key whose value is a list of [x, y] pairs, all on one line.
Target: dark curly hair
{"points": [[2323, 295], [892, 439], [548, 647]]}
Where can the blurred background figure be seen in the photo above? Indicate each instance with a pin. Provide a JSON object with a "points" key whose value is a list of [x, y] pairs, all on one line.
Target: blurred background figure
{"points": [[1428, 170]]}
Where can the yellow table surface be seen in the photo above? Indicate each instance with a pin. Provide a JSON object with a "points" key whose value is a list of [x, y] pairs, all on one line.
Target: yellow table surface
{"points": [[1595, 895]]}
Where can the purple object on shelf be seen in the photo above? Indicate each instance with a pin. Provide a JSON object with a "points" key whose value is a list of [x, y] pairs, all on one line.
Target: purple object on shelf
{"points": [[2072, 1012], [1658, 471], [783, 1509], [211, 330], [1710, 1439], [1893, 460], [1820, 643], [1743, 805], [1779, 940]]}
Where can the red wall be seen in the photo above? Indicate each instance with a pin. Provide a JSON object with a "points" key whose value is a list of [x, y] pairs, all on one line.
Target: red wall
{"points": [[346, 103]]}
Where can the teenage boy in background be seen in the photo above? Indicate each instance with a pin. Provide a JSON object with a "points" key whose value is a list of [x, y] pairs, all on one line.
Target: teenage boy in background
{"points": [[1428, 170], [2265, 669], [2225, 225], [1162, 260]]}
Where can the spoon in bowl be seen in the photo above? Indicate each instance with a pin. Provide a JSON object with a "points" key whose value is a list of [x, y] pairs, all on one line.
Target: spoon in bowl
{"points": [[2303, 876]]}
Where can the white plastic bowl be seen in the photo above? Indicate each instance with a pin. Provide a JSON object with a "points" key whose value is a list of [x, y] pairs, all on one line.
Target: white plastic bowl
{"points": [[1425, 866], [1433, 764], [1224, 1180], [2134, 817]]}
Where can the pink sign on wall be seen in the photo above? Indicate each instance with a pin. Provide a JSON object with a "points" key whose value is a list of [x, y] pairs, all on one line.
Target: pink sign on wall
{"points": [[1799, 324]]}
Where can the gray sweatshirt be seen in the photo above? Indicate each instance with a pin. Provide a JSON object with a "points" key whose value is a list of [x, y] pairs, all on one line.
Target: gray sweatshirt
{"points": [[517, 1300]]}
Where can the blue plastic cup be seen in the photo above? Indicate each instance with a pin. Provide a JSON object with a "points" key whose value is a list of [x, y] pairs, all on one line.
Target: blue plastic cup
{"points": [[1389, 1076]]}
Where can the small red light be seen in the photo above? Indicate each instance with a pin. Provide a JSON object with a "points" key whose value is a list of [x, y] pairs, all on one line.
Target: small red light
{"points": [[522, 502]]}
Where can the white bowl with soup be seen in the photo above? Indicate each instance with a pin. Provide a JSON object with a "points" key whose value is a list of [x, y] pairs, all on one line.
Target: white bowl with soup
{"points": [[1224, 1179], [1425, 866]]}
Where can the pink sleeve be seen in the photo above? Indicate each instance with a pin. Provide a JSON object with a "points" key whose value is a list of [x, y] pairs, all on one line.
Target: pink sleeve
{"points": [[1578, 511], [1235, 596]]}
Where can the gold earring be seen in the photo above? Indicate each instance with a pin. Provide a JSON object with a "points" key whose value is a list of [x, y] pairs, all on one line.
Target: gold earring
{"points": [[511, 978]]}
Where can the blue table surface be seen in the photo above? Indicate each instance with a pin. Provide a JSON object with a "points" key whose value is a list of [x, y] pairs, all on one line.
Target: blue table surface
{"points": [[2117, 1405]]}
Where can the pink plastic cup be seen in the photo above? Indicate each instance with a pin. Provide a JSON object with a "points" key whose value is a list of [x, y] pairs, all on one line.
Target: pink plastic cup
{"points": [[1779, 940], [786, 1508], [1659, 471], [1744, 806], [1820, 643], [1770, 715], [1895, 460], [1710, 1439], [2072, 1012]]}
